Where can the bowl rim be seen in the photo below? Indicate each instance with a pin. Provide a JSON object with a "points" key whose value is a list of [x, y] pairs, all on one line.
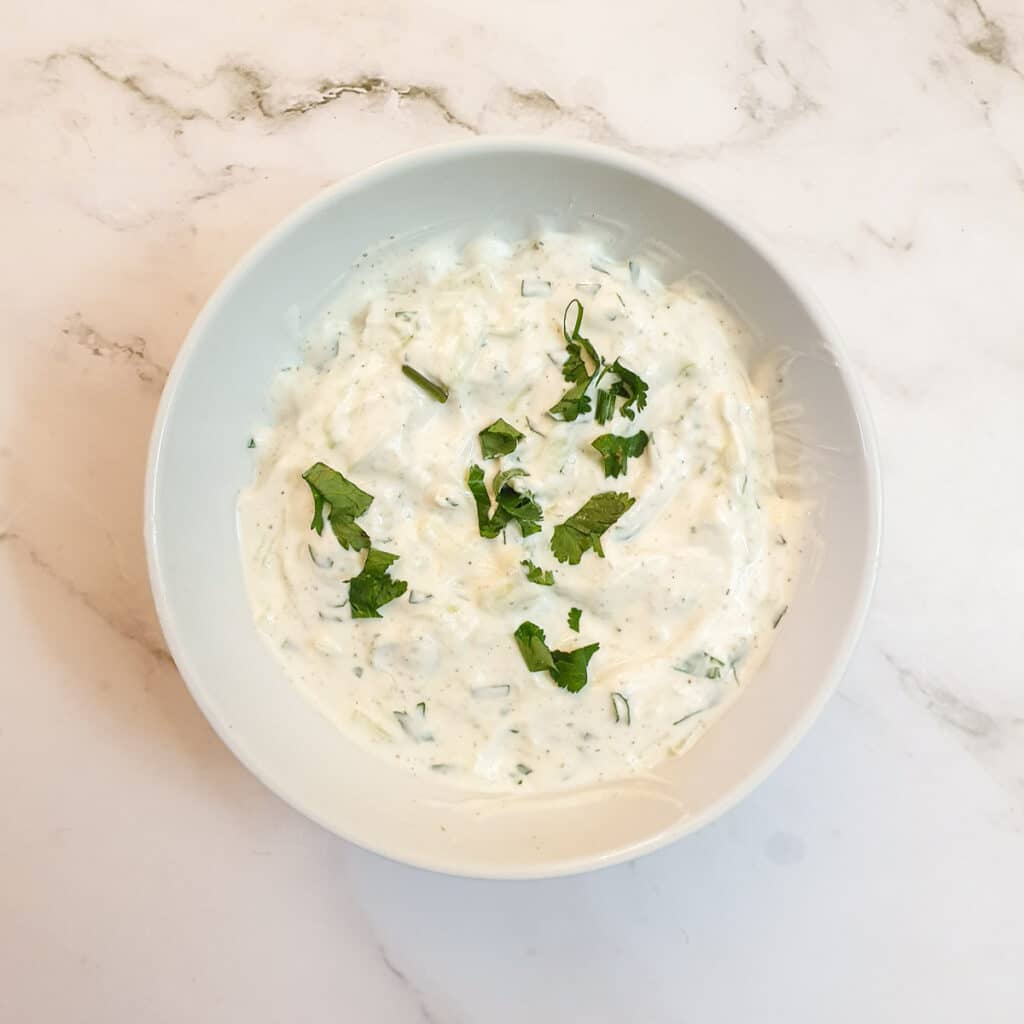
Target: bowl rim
{"points": [[617, 159]]}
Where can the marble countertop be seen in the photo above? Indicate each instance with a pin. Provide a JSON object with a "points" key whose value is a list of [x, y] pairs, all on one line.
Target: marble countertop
{"points": [[877, 876]]}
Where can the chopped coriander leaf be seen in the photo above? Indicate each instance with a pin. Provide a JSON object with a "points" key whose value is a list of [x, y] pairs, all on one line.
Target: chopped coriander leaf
{"points": [[373, 587], [620, 705], [567, 668], [575, 368], [576, 402], [516, 506], [535, 574], [434, 388], [582, 531], [630, 387], [500, 438], [616, 451], [525, 769], [605, 409], [573, 404], [252, 442], [533, 647], [570, 671], [489, 527], [574, 619], [345, 502], [511, 504]]}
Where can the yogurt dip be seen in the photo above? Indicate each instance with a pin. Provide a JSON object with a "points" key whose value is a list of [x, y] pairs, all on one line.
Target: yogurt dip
{"points": [[681, 592]]}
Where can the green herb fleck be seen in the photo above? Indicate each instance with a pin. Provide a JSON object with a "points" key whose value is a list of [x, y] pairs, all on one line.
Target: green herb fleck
{"points": [[434, 388], [699, 711], [252, 442], [525, 769], [373, 587], [616, 451], [567, 668], [414, 726], [605, 408], [345, 502], [582, 531], [321, 562], [574, 619], [702, 664], [620, 706], [535, 574], [500, 438]]}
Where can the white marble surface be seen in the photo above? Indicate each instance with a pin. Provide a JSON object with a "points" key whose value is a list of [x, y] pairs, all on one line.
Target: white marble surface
{"points": [[877, 876]]}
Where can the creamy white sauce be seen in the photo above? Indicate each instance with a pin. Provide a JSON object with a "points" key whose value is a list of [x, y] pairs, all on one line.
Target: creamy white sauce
{"points": [[695, 576]]}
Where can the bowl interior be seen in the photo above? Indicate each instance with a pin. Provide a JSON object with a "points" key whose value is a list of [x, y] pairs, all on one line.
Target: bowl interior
{"points": [[219, 391]]}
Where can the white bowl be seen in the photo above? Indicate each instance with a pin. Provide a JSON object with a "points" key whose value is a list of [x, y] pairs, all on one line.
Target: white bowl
{"points": [[218, 393]]}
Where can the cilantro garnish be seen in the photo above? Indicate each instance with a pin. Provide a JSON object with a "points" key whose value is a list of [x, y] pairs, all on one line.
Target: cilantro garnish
{"points": [[500, 438], [575, 402], [582, 531], [373, 587], [574, 619], [616, 451], [567, 668], [434, 388], [345, 502], [533, 647], [535, 574], [630, 387], [511, 504]]}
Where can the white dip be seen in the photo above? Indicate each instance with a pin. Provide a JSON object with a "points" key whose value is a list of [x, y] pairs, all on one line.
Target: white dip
{"points": [[695, 575]]}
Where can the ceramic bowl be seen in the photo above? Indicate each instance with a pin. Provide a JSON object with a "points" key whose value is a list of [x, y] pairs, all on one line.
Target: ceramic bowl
{"points": [[218, 393]]}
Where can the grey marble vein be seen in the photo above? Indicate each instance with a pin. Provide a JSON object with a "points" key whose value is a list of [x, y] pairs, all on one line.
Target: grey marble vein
{"points": [[133, 351], [248, 91], [427, 1016], [132, 631], [942, 703]]}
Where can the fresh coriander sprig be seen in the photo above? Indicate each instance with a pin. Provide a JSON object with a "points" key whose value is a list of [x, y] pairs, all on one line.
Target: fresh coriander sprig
{"points": [[500, 438], [535, 574], [583, 530], [567, 668], [373, 587], [616, 451], [576, 402], [511, 505], [344, 503]]}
